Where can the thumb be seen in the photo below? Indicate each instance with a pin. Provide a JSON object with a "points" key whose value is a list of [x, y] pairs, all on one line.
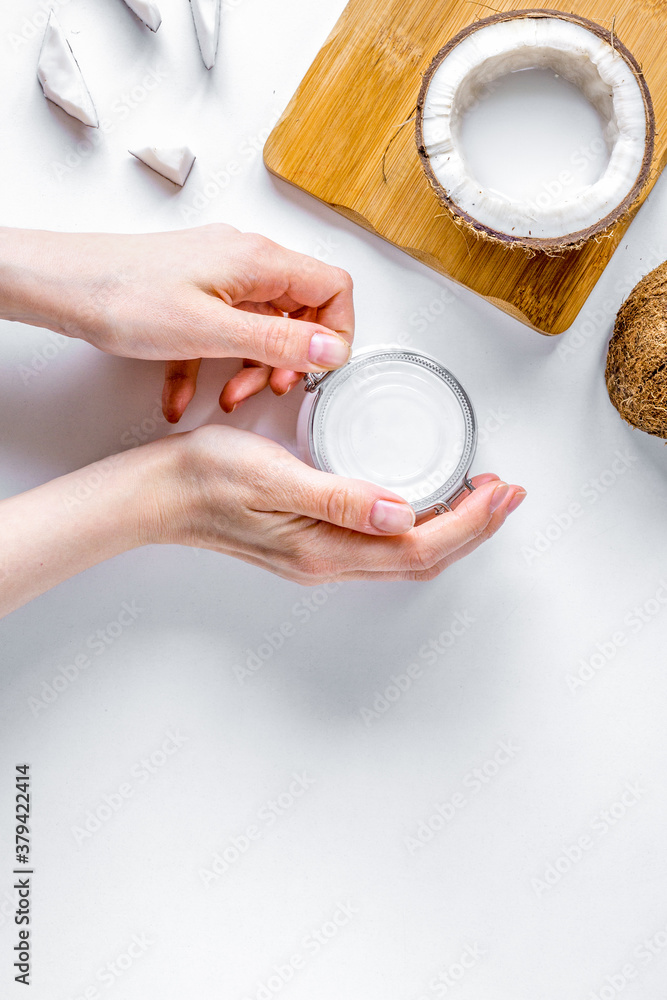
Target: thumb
{"points": [[278, 341], [348, 503]]}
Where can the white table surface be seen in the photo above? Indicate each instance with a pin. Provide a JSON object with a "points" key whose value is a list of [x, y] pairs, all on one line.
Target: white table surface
{"points": [[331, 894]]}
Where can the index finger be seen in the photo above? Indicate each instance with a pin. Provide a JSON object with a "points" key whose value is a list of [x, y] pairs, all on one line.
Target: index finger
{"points": [[292, 281]]}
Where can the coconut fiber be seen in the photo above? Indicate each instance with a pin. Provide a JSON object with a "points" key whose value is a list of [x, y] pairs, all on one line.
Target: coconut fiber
{"points": [[636, 370]]}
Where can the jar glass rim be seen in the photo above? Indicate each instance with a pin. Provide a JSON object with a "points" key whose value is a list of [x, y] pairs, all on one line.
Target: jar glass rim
{"points": [[326, 385]]}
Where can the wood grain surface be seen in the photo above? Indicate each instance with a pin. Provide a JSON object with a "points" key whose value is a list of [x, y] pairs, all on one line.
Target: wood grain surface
{"points": [[364, 84]]}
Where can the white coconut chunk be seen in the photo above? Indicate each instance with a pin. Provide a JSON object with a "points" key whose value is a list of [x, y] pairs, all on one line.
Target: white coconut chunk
{"points": [[147, 12], [580, 56], [60, 76], [173, 163], [206, 15]]}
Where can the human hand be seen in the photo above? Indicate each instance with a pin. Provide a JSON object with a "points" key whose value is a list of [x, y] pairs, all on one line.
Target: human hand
{"points": [[186, 295], [238, 493], [241, 494]]}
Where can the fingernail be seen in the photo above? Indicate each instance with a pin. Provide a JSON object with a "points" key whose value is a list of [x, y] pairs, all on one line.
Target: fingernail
{"points": [[328, 351], [394, 518], [516, 501], [498, 496]]}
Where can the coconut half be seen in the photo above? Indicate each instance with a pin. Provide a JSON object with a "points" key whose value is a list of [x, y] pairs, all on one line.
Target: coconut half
{"points": [[61, 79], [583, 53], [173, 163], [206, 15], [146, 11]]}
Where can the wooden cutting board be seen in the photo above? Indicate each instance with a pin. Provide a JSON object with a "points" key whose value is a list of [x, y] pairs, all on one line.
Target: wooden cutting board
{"points": [[364, 83]]}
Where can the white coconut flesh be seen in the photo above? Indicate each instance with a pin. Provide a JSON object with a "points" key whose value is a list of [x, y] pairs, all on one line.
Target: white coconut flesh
{"points": [[146, 11], [578, 55], [174, 163], [206, 15], [60, 76]]}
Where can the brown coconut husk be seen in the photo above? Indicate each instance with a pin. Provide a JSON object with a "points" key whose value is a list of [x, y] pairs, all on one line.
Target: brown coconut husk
{"points": [[636, 372], [574, 241]]}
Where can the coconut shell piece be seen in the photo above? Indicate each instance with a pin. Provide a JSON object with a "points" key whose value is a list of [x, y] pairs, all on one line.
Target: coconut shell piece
{"points": [[206, 15], [636, 372], [61, 78], [146, 11], [173, 163]]}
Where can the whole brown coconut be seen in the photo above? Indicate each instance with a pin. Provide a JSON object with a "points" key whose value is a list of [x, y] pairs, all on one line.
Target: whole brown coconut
{"points": [[636, 370]]}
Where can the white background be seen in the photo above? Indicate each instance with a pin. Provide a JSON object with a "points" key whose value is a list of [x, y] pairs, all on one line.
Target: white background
{"points": [[542, 595]]}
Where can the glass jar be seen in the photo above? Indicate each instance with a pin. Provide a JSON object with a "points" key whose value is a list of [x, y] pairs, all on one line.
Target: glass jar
{"points": [[396, 418]]}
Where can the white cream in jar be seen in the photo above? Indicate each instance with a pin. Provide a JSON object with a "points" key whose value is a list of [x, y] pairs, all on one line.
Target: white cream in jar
{"points": [[395, 418]]}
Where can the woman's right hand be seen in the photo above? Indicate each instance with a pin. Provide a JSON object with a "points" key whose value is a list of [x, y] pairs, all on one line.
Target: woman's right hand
{"points": [[209, 292], [241, 494]]}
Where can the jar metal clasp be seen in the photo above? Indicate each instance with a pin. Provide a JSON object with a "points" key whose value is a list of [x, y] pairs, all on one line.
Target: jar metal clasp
{"points": [[313, 379], [443, 506]]}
